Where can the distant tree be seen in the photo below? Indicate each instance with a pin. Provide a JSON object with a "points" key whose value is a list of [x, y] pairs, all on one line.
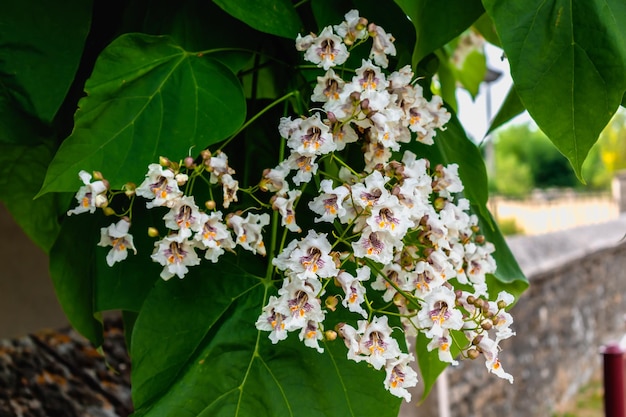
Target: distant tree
{"points": [[608, 156], [526, 159]]}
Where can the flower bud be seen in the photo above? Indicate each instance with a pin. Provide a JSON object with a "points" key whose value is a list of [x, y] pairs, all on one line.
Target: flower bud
{"points": [[480, 239], [164, 162], [361, 24], [473, 353], [97, 175], [108, 211], [331, 303], [205, 154], [129, 189], [189, 162], [471, 299], [399, 300], [101, 201], [336, 258], [439, 203], [476, 341], [502, 304], [486, 324], [330, 335], [210, 204], [153, 232], [181, 179]]}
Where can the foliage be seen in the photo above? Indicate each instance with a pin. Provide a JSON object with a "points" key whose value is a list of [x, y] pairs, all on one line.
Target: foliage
{"points": [[525, 159], [113, 87]]}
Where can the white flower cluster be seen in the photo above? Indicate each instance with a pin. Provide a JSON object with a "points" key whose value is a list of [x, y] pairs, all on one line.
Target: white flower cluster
{"points": [[395, 235], [189, 227], [399, 226]]}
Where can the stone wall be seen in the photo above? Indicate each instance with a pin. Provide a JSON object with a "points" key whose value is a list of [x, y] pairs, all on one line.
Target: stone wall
{"points": [[576, 303]]}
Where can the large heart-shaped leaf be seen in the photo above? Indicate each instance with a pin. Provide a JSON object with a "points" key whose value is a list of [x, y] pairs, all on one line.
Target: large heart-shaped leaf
{"points": [[72, 265], [568, 61], [146, 98], [41, 43], [277, 17], [438, 22], [219, 364], [22, 170]]}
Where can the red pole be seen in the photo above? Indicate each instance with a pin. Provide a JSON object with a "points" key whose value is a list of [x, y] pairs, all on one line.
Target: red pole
{"points": [[614, 381]]}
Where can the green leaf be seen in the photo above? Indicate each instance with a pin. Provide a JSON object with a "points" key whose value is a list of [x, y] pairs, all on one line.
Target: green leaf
{"points": [[219, 364], [22, 170], [146, 98], [125, 285], [472, 72], [438, 22], [511, 107], [447, 80], [568, 61], [429, 364], [41, 44], [72, 260], [484, 25], [277, 17], [509, 276]]}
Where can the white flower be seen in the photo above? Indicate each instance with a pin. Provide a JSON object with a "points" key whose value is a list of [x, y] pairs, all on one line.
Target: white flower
{"points": [[274, 179], [312, 137], [353, 28], [230, 188], [442, 344], [284, 205], [394, 273], [351, 339], [273, 321], [117, 236], [328, 87], [376, 342], [371, 191], [354, 289], [90, 195], [424, 279], [305, 165], [248, 231], [377, 246], [439, 313], [329, 204], [160, 186], [376, 153], [447, 181], [311, 334], [343, 135], [214, 236], [390, 216], [308, 257], [325, 50], [183, 216], [371, 82], [490, 350], [300, 302], [382, 45], [400, 376], [219, 167], [175, 256]]}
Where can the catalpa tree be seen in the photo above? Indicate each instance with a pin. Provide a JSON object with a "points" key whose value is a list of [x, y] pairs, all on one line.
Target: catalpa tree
{"points": [[278, 195]]}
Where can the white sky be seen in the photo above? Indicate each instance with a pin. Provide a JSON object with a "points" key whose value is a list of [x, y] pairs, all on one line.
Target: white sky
{"points": [[473, 114]]}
